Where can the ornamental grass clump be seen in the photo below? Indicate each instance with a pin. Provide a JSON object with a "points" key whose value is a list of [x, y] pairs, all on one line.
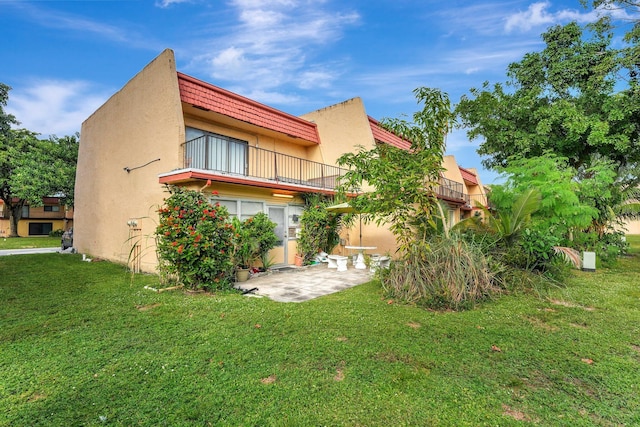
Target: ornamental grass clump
{"points": [[444, 274], [194, 241]]}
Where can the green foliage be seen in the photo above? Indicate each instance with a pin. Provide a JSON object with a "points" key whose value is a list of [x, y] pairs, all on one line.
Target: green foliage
{"points": [[56, 233], [31, 169], [245, 246], [510, 221], [535, 247], [612, 191], [261, 230], [6, 119], [561, 205], [319, 229], [607, 246], [445, 274], [82, 342], [194, 241], [563, 99], [399, 183]]}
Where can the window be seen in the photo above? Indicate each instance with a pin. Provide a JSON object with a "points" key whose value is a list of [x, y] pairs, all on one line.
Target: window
{"points": [[40, 228], [231, 205], [51, 208], [25, 212], [206, 150], [249, 209], [242, 209]]}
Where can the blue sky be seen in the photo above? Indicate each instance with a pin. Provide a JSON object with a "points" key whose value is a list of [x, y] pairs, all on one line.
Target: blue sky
{"points": [[63, 59]]}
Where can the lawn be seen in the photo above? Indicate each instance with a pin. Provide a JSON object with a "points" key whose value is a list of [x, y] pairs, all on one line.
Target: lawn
{"points": [[29, 242], [84, 344]]}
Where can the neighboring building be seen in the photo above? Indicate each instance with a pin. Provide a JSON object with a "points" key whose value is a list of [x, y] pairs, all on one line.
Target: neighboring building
{"points": [[164, 127], [462, 189], [38, 220]]}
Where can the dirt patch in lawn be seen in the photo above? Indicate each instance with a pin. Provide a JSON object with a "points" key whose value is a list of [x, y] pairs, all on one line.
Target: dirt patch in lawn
{"points": [[514, 413], [147, 307], [570, 305]]}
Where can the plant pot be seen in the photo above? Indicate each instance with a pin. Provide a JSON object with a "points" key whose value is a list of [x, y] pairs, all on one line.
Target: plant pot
{"points": [[299, 260], [242, 275]]}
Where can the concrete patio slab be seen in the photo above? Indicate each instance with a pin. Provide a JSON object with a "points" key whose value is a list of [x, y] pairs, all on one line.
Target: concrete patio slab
{"points": [[300, 284]]}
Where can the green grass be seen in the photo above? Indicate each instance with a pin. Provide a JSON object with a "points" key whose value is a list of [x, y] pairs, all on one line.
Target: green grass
{"points": [[82, 344], [29, 242]]}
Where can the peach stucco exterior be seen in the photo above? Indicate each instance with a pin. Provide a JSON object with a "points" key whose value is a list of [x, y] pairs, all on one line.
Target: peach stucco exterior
{"points": [[343, 128], [134, 144], [137, 142], [142, 124]]}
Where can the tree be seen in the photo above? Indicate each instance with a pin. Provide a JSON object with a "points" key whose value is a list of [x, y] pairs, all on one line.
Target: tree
{"points": [[578, 98], [402, 181], [31, 169], [564, 205]]}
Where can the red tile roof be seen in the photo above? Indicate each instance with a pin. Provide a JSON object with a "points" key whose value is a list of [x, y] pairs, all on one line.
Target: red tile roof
{"points": [[209, 97], [468, 176], [382, 135]]}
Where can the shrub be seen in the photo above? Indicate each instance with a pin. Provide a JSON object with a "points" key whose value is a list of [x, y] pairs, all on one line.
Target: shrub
{"points": [[446, 274], [261, 230], [607, 247], [245, 247], [194, 241], [319, 231], [56, 233], [533, 250]]}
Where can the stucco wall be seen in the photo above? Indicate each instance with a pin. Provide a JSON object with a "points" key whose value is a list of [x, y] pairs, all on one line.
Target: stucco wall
{"points": [[632, 227], [139, 124], [342, 127], [451, 170]]}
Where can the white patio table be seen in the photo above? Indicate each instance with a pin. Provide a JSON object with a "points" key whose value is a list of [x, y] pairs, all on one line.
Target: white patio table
{"points": [[360, 265]]}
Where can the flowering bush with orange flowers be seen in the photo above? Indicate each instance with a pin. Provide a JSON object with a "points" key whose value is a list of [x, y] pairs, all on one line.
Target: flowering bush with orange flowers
{"points": [[194, 241]]}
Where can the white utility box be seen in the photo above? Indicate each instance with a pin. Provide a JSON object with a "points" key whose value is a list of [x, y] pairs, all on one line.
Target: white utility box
{"points": [[588, 261]]}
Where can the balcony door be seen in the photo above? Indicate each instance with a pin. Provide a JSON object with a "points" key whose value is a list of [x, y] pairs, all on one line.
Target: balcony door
{"points": [[210, 151]]}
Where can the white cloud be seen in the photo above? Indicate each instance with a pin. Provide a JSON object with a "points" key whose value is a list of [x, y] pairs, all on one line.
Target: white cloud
{"points": [[166, 3], [270, 97], [54, 107], [273, 45], [316, 79], [73, 23], [51, 18], [535, 15], [539, 15]]}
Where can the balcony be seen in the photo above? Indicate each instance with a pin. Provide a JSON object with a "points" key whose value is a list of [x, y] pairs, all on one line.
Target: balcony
{"points": [[452, 191], [480, 199], [236, 159]]}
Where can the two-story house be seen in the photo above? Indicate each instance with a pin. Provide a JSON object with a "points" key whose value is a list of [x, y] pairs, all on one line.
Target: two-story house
{"points": [[52, 215], [165, 127]]}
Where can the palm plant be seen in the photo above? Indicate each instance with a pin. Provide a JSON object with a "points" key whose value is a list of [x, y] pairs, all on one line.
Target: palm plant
{"points": [[509, 224]]}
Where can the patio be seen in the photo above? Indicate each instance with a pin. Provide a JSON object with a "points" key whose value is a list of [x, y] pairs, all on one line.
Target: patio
{"points": [[298, 284]]}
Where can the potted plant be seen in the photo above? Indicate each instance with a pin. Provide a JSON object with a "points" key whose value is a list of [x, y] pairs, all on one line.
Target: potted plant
{"points": [[244, 250], [262, 231]]}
